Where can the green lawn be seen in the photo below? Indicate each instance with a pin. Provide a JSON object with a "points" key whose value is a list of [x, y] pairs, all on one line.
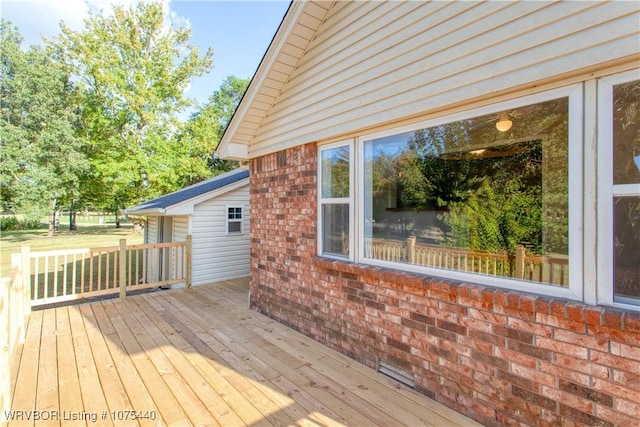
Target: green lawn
{"points": [[87, 236]]}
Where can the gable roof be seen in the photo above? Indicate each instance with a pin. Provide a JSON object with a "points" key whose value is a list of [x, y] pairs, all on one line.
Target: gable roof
{"points": [[297, 29], [192, 194]]}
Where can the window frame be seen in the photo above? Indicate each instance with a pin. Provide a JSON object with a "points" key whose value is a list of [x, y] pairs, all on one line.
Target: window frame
{"points": [[607, 190], [322, 201], [235, 220], [574, 291]]}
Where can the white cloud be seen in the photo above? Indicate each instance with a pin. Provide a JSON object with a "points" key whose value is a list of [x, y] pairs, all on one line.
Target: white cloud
{"points": [[36, 18]]}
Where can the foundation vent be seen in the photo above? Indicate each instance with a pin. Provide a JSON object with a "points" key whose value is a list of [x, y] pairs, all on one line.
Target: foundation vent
{"points": [[396, 373]]}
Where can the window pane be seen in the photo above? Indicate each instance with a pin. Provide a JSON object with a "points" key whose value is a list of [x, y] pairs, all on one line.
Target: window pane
{"points": [[335, 172], [626, 133], [235, 213], [487, 195], [627, 249], [335, 223], [234, 227]]}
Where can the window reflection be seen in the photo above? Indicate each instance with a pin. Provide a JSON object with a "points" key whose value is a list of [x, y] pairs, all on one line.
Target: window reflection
{"points": [[626, 133], [468, 196]]}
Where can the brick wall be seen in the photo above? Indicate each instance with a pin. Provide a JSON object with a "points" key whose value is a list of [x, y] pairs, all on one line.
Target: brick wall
{"points": [[500, 357]]}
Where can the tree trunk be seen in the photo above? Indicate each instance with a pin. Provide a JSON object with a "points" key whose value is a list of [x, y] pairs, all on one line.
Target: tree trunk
{"points": [[72, 220], [118, 225], [52, 224]]}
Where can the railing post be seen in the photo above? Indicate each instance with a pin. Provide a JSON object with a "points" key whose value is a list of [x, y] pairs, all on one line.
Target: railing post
{"points": [[520, 255], [411, 247], [122, 268], [26, 278], [5, 344], [188, 259]]}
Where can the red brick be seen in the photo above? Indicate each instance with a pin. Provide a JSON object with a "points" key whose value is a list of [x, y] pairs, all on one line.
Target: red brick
{"points": [[563, 373], [516, 357], [488, 316], [532, 327], [615, 417], [628, 407], [626, 351], [627, 379], [581, 365], [568, 399], [617, 362], [558, 346], [543, 305], [613, 318], [632, 322], [606, 386], [528, 303]]}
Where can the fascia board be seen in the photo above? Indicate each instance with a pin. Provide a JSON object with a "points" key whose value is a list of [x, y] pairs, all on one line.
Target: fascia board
{"points": [[187, 207], [278, 42]]}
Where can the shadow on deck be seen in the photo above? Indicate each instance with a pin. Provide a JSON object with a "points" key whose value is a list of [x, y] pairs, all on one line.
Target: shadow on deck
{"points": [[197, 356]]}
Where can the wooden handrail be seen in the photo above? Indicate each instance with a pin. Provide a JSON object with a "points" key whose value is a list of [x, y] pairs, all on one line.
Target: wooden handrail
{"points": [[14, 312], [544, 269], [68, 274]]}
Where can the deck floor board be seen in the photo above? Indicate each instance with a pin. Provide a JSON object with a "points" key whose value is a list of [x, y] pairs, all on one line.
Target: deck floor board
{"points": [[200, 357]]}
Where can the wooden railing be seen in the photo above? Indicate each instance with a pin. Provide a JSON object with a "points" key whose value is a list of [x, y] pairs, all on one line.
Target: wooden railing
{"points": [[552, 270], [15, 306], [56, 276]]}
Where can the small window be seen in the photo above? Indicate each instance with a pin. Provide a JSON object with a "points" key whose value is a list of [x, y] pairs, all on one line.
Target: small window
{"points": [[619, 192], [335, 183], [234, 220]]}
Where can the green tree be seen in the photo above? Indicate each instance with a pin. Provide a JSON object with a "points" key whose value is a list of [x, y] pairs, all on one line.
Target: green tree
{"points": [[132, 69], [204, 129], [42, 159]]}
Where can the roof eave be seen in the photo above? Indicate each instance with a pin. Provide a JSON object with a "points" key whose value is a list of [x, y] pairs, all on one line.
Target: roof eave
{"points": [[233, 150], [154, 211]]}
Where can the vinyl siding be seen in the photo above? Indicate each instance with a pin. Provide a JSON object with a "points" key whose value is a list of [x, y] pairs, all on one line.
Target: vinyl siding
{"points": [[151, 230], [180, 228], [215, 255], [372, 63]]}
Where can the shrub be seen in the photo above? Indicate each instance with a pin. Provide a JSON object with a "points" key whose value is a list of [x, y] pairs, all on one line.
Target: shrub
{"points": [[9, 223]]}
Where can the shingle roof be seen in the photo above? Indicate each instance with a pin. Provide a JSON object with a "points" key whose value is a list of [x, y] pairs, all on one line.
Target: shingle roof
{"points": [[190, 192]]}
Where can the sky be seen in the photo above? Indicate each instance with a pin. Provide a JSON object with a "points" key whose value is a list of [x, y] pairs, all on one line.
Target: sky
{"points": [[238, 31]]}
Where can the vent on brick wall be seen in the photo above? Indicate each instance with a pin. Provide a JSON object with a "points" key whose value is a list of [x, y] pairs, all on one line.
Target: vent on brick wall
{"points": [[396, 373]]}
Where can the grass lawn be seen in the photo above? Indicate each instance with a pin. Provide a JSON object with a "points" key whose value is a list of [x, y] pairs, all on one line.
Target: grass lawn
{"points": [[87, 236]]}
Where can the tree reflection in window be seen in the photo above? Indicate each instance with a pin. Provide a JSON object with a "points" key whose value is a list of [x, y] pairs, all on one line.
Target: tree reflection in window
{"points": [[468, 186]]}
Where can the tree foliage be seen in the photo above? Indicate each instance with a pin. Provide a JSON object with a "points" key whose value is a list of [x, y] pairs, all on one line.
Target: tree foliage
{"points": [[42, 158], [204, 129], [131, 70]]}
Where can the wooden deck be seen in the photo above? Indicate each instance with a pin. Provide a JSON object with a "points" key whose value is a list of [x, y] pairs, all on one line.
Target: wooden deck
{"points": [[198, 357]]}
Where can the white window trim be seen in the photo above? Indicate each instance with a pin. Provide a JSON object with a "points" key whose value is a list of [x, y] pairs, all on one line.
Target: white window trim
{"points": [[228, 220], [345, 200], [575, 289], [607, 190]]}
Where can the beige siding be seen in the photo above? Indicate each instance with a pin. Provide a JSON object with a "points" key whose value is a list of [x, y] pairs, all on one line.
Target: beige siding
{"points": [[377, 62], [217, 256]]}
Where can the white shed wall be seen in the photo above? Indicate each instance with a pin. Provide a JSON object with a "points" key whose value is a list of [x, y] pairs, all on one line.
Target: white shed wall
{"points": [[180, 228], [215, 255], [151, 230], [379, 62]]}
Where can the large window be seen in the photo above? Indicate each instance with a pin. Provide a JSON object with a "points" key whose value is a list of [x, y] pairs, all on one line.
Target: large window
{"points": [[619, 165], [525, 194], [487, 194]]}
